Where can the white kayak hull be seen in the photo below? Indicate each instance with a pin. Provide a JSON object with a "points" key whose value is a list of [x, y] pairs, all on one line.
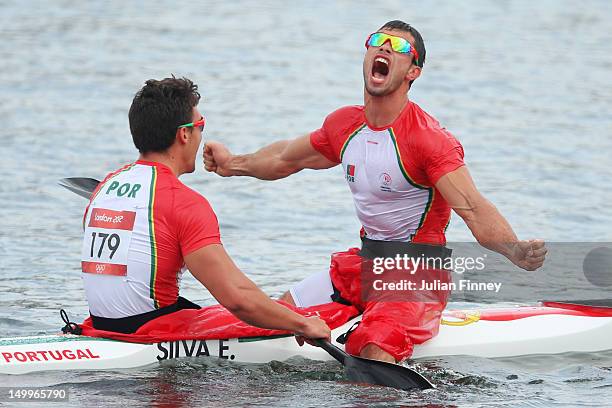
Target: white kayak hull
{"points": [[462, 333]]}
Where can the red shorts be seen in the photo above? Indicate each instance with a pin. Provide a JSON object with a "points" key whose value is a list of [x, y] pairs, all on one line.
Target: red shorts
{"points": [[394, 321]]}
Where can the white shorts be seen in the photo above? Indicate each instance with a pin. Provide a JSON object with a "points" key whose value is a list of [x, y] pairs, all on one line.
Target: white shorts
{"points": [[316, 289]]}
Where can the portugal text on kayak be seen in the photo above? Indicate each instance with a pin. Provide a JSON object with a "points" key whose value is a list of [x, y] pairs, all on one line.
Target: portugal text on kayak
{"points": [[48, 355]]}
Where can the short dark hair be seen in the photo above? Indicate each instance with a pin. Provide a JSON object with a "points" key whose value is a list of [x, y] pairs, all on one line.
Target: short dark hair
{"points": [[158, 109], [418, 40]]}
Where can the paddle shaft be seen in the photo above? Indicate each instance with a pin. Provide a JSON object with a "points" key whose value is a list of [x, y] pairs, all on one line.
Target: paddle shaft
{"points": [[332, 350]]}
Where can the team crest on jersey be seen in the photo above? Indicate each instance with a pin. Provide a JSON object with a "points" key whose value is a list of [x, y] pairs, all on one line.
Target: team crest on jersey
{"points": [[350, 173], [385, 182]]}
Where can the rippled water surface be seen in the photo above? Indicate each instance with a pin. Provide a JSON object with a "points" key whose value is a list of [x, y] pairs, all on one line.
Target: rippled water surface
{"points": [[524, 85]]}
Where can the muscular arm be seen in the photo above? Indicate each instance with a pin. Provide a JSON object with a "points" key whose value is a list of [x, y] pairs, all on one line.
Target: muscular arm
{"points": [[488, 226], [273, 162], [213, 267]]}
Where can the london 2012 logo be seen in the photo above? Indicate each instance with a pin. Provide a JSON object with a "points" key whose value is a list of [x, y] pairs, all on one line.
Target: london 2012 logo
{"points": [[385, 181], [350, 173]]}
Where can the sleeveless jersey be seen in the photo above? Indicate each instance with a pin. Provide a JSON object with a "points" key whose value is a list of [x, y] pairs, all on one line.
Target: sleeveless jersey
{"points": [[392, 171], [139, 225]]}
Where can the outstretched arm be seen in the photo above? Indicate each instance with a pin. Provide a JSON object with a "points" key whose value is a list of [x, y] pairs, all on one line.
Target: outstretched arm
{"points": [[488, 226], [213, 267], [273, 162]]}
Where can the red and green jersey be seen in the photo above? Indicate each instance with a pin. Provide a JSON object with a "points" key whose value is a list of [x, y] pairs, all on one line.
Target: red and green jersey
{"points": [[392, 171], [139, 225]]}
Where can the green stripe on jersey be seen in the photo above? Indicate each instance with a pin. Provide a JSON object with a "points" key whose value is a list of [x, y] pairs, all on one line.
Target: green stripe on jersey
{"points": [[352, 135], [152, 237]]}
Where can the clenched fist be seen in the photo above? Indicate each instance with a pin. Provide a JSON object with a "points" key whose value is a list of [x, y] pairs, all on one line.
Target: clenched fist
{"points": [[314, 328], [217, 158], [529, 255]]}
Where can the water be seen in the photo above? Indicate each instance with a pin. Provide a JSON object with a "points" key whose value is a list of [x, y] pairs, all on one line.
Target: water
{"points": [[521, 84]]}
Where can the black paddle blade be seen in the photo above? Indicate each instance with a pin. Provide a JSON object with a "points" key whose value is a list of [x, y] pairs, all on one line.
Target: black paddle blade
{"points": [[82, 186], [363, 370], [366, 371]]}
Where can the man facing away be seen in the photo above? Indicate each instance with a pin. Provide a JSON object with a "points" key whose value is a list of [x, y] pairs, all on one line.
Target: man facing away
{"points": [[142, 226], [405, 172]]}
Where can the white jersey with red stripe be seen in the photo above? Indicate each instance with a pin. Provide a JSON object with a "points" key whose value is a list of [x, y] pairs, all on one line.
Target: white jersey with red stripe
{"points": [[389, 205], [140, 223], [392, 171]]}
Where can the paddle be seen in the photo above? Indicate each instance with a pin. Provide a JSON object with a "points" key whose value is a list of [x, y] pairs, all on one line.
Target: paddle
{"points": [[358, 369], [366, 371], [82, 186]]}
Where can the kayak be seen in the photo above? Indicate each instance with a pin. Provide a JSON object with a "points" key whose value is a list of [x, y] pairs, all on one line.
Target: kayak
{"points": [[548, 328]]}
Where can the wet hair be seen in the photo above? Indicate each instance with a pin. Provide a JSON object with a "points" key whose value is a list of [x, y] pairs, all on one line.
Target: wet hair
{"points": [[158, 109], [419, 45]]}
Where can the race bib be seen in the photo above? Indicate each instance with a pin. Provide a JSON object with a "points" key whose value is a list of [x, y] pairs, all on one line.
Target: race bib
{"points": [[107, 241]]}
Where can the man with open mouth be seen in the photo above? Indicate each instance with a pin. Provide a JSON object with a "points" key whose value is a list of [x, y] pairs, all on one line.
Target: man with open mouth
{"points": [[405, 172]]}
